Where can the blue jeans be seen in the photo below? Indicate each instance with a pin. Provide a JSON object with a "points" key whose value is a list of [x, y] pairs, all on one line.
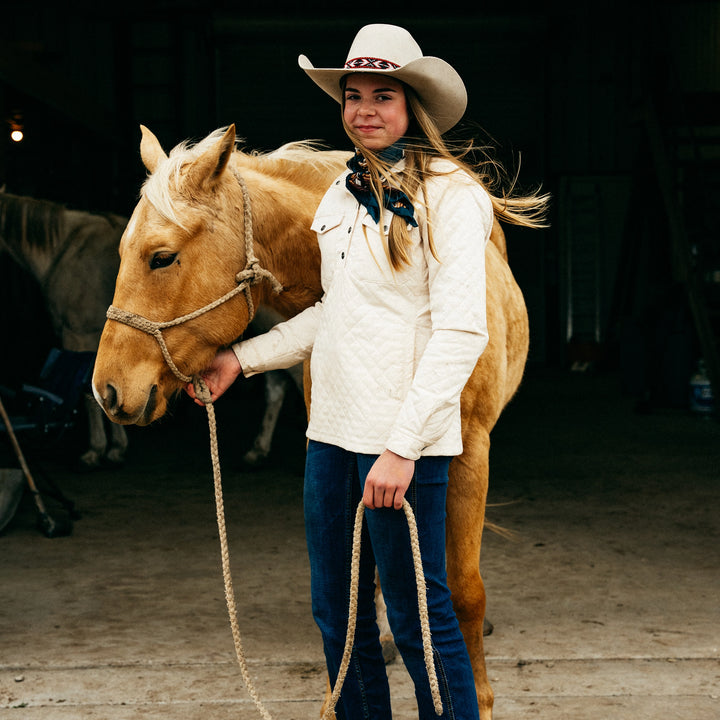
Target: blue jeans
{"points": [[334, 480]]}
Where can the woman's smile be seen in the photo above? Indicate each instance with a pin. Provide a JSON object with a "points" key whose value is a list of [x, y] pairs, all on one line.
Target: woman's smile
{"points": [[376, 109]]}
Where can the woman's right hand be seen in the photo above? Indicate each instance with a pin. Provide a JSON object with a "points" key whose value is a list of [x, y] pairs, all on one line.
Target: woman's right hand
{"points": [[219, 376]]}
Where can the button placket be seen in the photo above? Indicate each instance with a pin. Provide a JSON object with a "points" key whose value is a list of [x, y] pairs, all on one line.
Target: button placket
{"points": [[351, 227]]}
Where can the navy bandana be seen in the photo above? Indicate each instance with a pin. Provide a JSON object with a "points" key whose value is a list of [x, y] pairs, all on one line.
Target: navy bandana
{"points": [[358, 183]]}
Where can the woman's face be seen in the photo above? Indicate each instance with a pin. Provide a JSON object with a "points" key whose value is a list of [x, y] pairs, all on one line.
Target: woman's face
{"points": [[375, 109]]}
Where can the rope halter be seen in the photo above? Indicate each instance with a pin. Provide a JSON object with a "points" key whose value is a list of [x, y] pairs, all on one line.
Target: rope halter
{"points": [[251, 275]]}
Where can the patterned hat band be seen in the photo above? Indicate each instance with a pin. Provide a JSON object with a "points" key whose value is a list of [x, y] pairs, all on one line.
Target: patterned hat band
{"points": [[370, 63]]}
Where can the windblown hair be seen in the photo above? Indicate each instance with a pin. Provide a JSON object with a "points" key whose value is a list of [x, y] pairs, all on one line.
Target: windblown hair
{"points": [[425, 143]]}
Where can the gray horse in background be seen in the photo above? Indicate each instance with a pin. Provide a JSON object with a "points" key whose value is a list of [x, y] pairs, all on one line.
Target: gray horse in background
{"points": [[73, 255]]}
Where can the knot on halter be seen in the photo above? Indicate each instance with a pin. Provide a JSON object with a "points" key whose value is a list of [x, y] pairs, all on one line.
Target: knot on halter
{"points": [[202, 392], [254, 273]]}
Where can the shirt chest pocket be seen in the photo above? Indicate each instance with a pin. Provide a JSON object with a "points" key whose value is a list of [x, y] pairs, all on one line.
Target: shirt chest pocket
{"points": [[369, 260], [333, 233], [356, 246]]}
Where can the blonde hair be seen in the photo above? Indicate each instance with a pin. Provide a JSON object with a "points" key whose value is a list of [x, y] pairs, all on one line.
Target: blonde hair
{"points": [[424, 143]]}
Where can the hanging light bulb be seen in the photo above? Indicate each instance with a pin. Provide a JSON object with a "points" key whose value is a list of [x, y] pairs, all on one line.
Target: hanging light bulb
{"points": [[17, 127]]}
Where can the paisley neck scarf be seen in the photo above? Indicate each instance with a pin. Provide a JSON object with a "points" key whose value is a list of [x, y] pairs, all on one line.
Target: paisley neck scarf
{"points": [[358, 183]]}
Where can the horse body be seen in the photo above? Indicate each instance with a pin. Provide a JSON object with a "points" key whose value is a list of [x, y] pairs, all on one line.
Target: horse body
{"points": [[73, 256], [181, 251]]}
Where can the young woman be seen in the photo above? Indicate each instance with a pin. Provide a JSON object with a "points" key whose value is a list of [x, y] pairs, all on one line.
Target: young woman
{"points": [[392, 343]]}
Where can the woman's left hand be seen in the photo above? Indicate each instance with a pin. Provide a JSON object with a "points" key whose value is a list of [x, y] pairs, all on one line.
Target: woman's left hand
{"points": [[387, 481]]}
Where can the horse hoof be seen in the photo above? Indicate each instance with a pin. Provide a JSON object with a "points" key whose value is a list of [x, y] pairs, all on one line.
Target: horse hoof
{"points": [[89, 460], [487, 627], [253, 459], [115, 458]]}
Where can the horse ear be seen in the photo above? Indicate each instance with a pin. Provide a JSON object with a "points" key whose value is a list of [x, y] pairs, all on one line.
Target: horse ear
{"points": [[150, 150], [210, 165]]}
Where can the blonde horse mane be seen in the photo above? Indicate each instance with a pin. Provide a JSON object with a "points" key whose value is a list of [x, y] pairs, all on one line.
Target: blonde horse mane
{"points": [[303, 162]]}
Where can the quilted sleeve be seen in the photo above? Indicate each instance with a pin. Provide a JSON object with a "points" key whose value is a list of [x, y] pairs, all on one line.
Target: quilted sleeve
{"points": [[461, 215], [281, 347]]}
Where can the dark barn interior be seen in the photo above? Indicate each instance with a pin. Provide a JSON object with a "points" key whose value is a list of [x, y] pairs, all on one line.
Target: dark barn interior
{"points": [[614, 113], [613, 108]]}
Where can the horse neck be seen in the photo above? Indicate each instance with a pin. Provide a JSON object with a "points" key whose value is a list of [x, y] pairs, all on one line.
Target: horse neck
{"points": [[33, 232], [283, 242]]}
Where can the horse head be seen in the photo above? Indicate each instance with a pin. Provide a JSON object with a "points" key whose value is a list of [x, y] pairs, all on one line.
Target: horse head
{"points": [[181, 250]]}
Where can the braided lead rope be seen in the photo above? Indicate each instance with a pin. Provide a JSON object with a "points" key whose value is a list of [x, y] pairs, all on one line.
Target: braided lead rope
{"points": [[422, 609], [352, 610], [252, 273], [202, 392]]}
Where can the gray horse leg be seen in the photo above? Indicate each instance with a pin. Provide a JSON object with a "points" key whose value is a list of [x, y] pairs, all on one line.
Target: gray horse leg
{"points": [[276, 384], [118, 444], [96, 431], [99, 448]]}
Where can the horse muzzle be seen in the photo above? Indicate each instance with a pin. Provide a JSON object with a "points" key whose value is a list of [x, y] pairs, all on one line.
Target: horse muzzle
{"points": [[146, 406]]}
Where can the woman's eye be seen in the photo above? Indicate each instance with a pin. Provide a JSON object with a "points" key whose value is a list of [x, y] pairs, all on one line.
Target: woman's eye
{"points": [[162, 260]]}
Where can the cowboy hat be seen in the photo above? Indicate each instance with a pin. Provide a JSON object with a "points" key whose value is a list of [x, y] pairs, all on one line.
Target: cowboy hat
{"points": [[391, 50]]}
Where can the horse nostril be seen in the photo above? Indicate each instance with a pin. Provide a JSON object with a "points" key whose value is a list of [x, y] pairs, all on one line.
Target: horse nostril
{"points": [[151, 401], [111, 397]]}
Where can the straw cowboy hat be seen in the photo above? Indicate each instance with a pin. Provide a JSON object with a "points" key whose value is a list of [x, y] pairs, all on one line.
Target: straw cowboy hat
{"points": [[391, 50]]}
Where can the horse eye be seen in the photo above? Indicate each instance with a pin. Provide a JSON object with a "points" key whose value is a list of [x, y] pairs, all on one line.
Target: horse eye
{"points": [[162, 260]]}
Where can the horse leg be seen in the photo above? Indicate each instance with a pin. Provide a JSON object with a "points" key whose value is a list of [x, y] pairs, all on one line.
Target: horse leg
{"points": [[118, 444], [467, 494], [90, 459], [387, 642], [326, 701], [276, 384]]}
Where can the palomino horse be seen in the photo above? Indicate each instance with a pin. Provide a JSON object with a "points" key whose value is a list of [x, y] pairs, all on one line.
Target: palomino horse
{"points": [[212, 225], [73, 256]]}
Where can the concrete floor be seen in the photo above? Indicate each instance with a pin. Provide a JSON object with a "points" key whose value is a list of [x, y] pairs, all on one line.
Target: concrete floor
{"points": [[606, 601]]}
